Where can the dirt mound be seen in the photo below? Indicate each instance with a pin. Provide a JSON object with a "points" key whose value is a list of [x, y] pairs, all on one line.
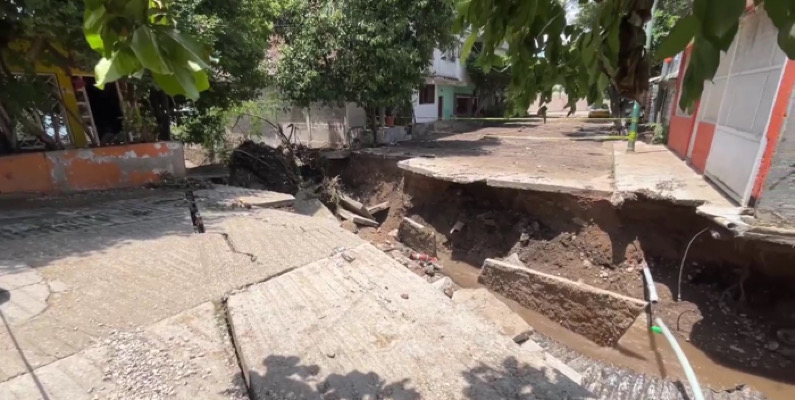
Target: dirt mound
{"points": [[258, 166]]}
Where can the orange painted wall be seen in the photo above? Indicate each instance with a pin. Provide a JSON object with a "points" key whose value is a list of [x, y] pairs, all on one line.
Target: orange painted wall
{"points": [[777, 118], [25, 173], [90, 169], [679, 132], [681, 128], [701, 146]]}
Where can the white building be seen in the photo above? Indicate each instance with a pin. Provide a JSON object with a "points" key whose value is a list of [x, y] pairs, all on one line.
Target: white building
{"points": [[447, 91]]}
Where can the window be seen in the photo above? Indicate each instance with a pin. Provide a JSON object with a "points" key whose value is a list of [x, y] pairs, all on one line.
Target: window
{"points": [[452, 54], [427, 94]]}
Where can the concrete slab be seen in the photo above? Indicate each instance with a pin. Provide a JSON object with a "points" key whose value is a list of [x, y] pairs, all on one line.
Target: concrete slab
{"points": [[417, 237], [485, 304], [134, 274], [187, 356], [582, 167], [305, 204], [655, 171], [369, 328], [235, 197], [23, 292], [597, 314], [357, 219]]}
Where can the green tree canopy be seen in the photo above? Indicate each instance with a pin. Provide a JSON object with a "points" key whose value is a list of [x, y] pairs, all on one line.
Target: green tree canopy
{"points": [[373, 53], [545, 50], [173, 48]]}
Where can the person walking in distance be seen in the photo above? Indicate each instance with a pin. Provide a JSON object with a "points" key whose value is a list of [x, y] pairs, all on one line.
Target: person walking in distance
{"points": [[542, 112]]}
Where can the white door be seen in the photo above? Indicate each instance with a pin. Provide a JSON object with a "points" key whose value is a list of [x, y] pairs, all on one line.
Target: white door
{"points": [[739, 103]]}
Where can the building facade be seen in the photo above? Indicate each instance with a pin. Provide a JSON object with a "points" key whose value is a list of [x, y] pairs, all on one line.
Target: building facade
{"points": [[740, 128], [447, 92]]}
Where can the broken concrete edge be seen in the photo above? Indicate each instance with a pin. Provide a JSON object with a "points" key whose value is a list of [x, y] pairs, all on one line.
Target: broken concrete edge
{"points": [[413, 223], [579, 190], [600, 315], [417, 237], [407, 166], [254, 201], [490, 262], [357, 219], [355, 206], [378, 207], [222, 310], [488, 307]]}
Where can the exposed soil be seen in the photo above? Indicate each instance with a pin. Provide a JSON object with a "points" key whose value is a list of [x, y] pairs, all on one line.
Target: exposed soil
{"points": [[737, 304]]}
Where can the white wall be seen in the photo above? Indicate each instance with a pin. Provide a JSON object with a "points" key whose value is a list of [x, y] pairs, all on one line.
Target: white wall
{"points": [[327, 125], [739, 103], [424, 113], [448, 67]]}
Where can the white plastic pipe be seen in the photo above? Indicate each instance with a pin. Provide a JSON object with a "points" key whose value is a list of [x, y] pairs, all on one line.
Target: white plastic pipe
{"points": [[653, 298], [689, 373]]}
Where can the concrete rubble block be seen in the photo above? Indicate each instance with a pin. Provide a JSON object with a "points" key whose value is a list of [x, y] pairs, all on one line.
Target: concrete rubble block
{"points": [[417, 237], [371, 329], [347, 215], [485, 304], [513, 259], [355, 206], [445, 285], [307, 204], [378, 207], [223, 196], [597, 314], [187, 356]]}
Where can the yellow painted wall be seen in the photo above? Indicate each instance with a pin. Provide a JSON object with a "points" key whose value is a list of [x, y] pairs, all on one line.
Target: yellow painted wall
{"points": [[67, 93]]}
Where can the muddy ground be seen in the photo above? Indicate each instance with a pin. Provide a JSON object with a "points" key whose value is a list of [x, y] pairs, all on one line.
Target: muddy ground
{"points": [[737, 304]]}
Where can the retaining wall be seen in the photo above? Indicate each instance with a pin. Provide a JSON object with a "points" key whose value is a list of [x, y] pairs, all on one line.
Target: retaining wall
{"points": [[102, 168]]}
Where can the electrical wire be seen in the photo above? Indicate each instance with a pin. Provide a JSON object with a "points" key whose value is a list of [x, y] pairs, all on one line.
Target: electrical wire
{"points": [[682, 266]]}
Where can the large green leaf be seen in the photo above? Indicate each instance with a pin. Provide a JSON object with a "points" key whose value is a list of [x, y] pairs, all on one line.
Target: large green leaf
{"points": [[705, 58], [779, 11], [192, 50], [137, 9], [786, 40], [722, 16], [467, 46], [168, 83], [121, 64], [144, 44], [782, 13], [93, 20], [183, 82], [681, 34]]}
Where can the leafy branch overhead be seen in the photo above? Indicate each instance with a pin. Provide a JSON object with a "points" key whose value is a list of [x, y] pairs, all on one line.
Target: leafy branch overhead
{"points": [[712, 28], [134, 36], [545, 50]]}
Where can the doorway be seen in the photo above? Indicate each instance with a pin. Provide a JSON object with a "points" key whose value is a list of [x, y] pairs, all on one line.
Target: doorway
{"points": [[440, 105]]}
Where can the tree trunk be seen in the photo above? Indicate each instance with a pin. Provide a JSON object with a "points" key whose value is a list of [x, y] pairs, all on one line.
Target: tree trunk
{"points": [[161, 108], [615, 107]]}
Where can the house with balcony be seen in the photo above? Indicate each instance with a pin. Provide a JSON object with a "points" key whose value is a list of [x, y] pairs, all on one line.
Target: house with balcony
{"points": [[447, 91]]}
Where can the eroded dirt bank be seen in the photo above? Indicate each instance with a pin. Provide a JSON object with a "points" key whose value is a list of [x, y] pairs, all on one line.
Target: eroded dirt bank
{"points": [[737, 307]]}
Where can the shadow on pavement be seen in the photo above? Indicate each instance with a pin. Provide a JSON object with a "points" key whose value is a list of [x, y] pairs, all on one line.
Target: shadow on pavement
{"points": [[4, 297], [287, 378]]}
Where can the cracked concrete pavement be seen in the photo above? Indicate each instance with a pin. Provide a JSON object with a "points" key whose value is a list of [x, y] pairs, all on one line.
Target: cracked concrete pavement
{"points": [[126, 300], [565, 156]]}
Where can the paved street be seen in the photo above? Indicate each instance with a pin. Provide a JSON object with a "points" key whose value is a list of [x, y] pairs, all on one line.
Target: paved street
{"points": [[120, 299], [564, 155]]}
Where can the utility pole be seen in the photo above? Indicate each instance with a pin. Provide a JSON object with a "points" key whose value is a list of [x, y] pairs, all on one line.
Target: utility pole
{"points": [[633, 126]]}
